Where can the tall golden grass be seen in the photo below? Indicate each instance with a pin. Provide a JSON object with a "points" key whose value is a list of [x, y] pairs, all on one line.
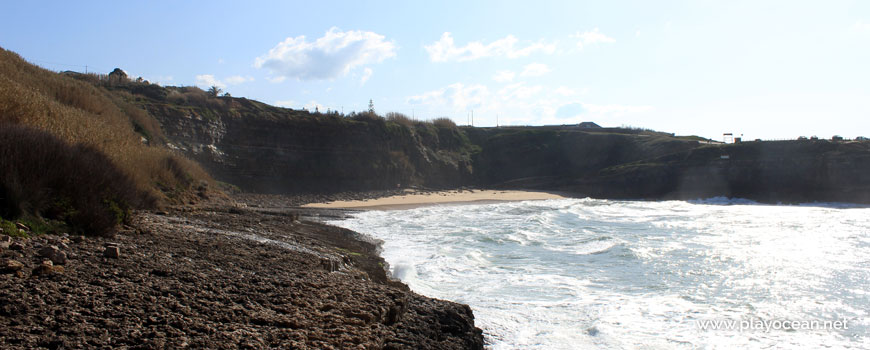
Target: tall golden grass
{"points": [[81, 113]]}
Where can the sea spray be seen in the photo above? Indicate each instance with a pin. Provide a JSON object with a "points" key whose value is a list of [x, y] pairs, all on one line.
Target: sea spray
{"points": [[584, 273]]}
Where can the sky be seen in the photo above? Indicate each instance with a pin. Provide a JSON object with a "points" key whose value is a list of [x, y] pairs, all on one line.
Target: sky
{"points": [[761, 69]]}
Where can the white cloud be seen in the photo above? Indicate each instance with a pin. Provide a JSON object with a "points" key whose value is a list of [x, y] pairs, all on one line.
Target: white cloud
{"points": [[504, 76], [519, 104], [330, 56], [314, 106], [860, 26], [238, 79], [519, 91], [592, 37], [276, 79], [535, 70], [208, 80], [445, 50], [565, 91], [285, 103], [458, 96], [367, 73], [616, 110], [637, 33]]}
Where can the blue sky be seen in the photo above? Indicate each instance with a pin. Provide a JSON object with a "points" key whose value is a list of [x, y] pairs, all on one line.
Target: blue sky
{"points": [[764, 69]]}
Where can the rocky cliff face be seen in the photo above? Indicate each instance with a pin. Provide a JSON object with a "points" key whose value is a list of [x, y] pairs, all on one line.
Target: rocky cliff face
{"points": [[787, 171], [547, 157], [267, 149]]}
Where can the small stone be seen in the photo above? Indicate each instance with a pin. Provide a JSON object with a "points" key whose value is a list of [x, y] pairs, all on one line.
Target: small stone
{"points": [[10, 266], [16, 246], [78, 239], [112, 251], [5, 241], [54, 254], [22, 227], [47, 268]]}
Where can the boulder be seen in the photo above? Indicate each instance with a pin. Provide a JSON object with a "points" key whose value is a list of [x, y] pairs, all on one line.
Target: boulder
{"points": [[112, 251], [54, 254], [47, 269], [22, 227], [10, 266]]}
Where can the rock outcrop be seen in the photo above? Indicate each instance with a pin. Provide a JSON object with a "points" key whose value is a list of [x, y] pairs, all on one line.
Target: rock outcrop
{"points": [[221, 279]]}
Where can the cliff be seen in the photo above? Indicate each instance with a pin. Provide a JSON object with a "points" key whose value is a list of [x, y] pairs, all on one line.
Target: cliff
{"points": [[267, 149], [261, 148], [782, 171]]}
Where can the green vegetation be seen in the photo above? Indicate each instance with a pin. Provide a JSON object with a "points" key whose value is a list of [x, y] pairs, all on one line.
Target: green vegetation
{"points": [[45, 177], [73, 151]]}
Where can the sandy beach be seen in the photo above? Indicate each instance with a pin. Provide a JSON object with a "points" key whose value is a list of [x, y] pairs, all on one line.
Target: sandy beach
{"points": [[414, 199]]}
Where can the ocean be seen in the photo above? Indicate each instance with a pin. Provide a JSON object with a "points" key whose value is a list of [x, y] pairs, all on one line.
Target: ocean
{"points": [[609, 274]]}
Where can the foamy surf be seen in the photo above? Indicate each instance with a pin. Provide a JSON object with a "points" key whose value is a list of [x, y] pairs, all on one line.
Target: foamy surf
{"points": [[599, 274]]}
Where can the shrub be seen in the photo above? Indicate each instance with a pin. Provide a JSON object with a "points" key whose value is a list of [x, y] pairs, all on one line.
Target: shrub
{"points": [[366, 116], [176, 97], [400, 119], [80, 113], [444, 123], [43, 176], [195, 95]]}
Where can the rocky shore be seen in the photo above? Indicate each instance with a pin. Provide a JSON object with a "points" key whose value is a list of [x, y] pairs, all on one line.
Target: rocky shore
{"points": [[251, 276]]}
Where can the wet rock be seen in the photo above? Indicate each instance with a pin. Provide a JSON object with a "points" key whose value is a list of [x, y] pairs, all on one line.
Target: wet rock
{"points": [[54, 254], [112, 251], [396, 310], [10, 266]]}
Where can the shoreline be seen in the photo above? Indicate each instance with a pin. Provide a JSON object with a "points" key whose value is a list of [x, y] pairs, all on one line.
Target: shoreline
{"points": [[227, 273], [411, 199]]}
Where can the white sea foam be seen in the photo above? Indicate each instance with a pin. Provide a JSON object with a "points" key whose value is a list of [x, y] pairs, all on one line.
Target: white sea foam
{"points": [[599, 274]]}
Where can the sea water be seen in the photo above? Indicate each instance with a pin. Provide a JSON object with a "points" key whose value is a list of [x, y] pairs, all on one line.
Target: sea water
{"points": [[605, 274]]}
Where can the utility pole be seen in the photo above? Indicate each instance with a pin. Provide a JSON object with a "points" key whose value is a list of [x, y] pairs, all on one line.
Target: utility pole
{"points": [[496, 120], [472, 117]]}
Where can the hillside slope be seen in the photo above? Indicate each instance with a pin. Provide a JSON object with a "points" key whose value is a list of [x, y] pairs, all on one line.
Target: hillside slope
{"points": [[262, 148], [75, 153]]}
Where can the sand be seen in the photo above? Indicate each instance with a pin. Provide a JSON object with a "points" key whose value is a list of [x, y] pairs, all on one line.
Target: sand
{"points": [[414, 199]]}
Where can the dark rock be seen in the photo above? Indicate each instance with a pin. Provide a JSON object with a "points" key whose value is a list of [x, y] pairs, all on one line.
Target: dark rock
{"points": [[17, 246], [47, 269], [10, 266], [54, 254], [112, 251], [22, 227]]}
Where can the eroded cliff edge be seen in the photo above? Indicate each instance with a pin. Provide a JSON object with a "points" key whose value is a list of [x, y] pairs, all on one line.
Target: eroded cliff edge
{"points": [[262, 148]]}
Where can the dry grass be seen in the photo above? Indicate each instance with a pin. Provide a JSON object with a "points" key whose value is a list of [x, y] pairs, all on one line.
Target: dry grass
{"points": [[444, 123], [400, 119], [80, 113], [44, 176]]}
